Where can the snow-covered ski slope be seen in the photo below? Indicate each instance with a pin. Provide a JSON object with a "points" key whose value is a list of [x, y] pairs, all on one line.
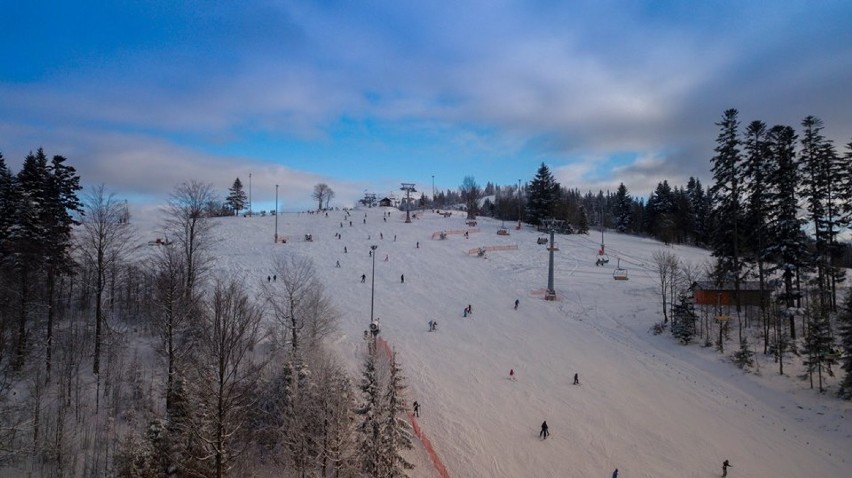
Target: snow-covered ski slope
{"points": [[645, 405]]}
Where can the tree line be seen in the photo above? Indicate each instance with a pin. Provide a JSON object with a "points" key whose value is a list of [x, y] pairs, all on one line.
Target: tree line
{"points": [[119, 360]]}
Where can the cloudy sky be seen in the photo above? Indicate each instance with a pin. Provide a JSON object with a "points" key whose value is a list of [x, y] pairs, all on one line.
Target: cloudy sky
{"points": [[364, 95]]}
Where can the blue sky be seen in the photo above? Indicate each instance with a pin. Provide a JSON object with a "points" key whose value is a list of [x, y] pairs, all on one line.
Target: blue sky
{"points": [[365, 95]]}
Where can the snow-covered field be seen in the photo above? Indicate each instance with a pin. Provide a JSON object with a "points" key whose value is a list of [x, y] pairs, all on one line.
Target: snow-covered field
{"points": [[645, 405]]}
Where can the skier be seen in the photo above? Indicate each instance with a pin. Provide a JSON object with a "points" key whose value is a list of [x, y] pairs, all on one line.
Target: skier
{"points": [[725, 466], [418, 244], [268, 279], [345, 250], [394, 238], [511, 374], [517, 302], [431, 326], [402, 278], [371, 251], [544, 432], [363, 278], [615, 473], [337, 265], [464, 314], [381, 236], [386, 257], [469, 309], [274, 278], [416, 409], [434, 325], [576, 379]]}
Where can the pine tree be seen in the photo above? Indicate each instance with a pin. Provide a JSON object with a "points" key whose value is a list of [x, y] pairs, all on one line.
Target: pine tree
{"points": [[818, 346], [744, 357], [754, 179], [661, 212], [543, 195], [370, 412], [8, 208], [700, 207], [786, 243], [844, 320], [470, 193], [622, 209], [727, 211], [395, 434], [816, 192], [683, 320], [236, 199], [583, 221]]}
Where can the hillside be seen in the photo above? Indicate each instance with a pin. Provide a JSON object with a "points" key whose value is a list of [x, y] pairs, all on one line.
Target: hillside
{"points": [[645, 405]]}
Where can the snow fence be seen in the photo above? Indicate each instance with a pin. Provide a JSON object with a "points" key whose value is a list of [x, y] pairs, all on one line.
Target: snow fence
{"points": [[385, 349]]}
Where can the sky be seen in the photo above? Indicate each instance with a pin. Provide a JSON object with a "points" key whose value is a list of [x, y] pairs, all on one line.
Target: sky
{"points": [[141, 96]]}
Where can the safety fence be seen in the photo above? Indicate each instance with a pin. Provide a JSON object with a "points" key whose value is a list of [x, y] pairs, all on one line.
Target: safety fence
{"points": [[385, 349], [479, 250], [437, 234]]}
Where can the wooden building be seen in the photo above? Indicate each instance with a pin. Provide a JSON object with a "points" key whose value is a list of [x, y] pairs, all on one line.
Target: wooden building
{"points": [[750, 293]]}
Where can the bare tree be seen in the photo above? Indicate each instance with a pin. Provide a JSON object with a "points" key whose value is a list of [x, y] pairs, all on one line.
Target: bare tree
{"points": [[223, 377], [188, 226], [667, 265], [172, 311], [104, 242], [320, 193], [329, 195], [298, 302]]}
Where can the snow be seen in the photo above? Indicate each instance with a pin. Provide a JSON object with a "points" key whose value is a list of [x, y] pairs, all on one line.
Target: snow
{"points": [[645, 405]]}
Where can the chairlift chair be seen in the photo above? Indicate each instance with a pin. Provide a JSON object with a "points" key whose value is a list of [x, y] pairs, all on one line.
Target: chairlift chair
{"points": [[603, 258], [619, 273]]}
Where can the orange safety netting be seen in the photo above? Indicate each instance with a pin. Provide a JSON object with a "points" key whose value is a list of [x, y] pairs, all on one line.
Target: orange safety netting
{"points": [[382, 344]]}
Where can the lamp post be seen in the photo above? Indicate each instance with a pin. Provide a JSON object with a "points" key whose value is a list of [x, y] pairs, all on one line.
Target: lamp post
{"points": [[519, 204], [276, 214]]}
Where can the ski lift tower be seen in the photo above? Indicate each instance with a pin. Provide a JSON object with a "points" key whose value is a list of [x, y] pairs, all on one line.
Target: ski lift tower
{"points": [[550, 226], [408, 188]]}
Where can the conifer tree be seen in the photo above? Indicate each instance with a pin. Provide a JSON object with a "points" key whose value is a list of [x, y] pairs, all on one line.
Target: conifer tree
{"points": [[236, 199], [754, 180], [844, 335], [543, 195], [727, 208], [786, 242], [818, 346], [622, 208], [700, 208], [583, 221], [816, 192], [8, 206], [370, 411], [395, 435]]}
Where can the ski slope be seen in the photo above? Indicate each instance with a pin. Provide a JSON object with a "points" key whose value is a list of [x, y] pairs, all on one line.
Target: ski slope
{"points": [[645, 405]]}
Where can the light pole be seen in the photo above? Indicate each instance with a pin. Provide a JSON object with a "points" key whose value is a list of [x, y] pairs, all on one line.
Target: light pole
{"points": [[249, 212], [519, 204], [276, 214], [433, 191]]}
